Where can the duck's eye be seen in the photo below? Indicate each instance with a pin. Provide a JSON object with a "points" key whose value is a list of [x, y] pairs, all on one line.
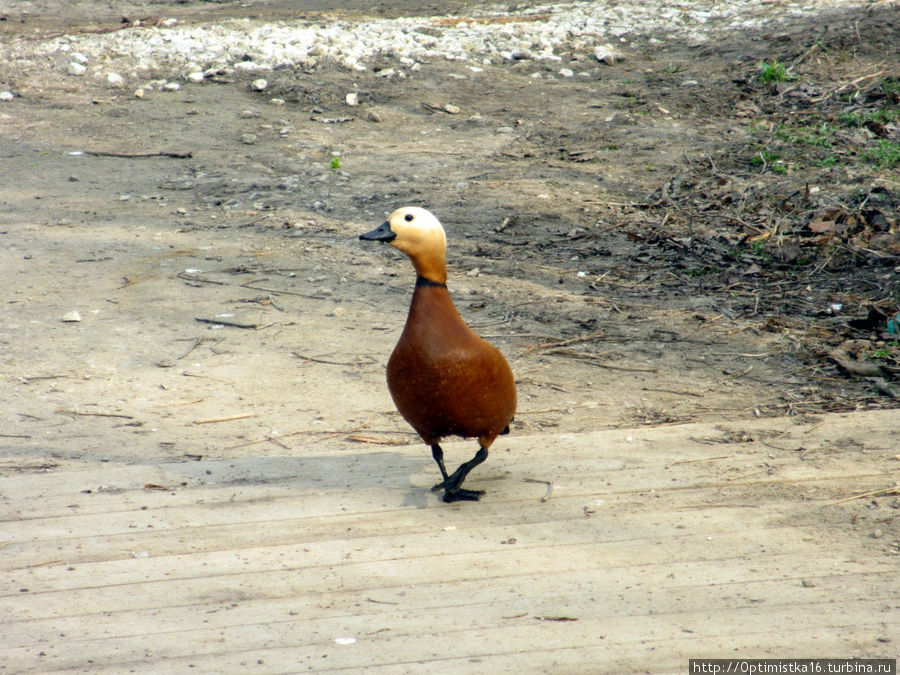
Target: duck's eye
{"points": [[408, 217]]}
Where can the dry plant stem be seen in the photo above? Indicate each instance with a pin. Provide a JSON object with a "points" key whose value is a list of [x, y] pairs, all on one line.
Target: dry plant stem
{"points": [[227, 418]]}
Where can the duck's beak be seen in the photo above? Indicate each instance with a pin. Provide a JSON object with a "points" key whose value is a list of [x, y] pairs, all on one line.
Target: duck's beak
{"points": [[382, 233]]}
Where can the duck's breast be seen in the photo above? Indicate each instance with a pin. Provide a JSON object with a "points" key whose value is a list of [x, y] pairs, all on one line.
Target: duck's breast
{"points": [[444, 379]]}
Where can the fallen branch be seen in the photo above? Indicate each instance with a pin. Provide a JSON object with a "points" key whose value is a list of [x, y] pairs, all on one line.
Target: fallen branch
{"points": [[95, 414], [178, 403], [277, 291], [193, 277], [596, 359], [139, 155], [315, 360], [699, 459], [558, 343], [230, 324], [852, 83], [895, 488], [228, 418], [549, 485], [673, 391], [360, 438]]}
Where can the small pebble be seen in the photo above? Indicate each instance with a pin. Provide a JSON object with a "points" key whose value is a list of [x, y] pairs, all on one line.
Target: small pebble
{"points": [[6, 96], [78, 57], [566, 72], [196, 76], [248, 139], [247, 114], [76, 69], [114, 81], [71, 317], [352, 99], [276, 101], [451, 109], [139, 93], [373, 116], [878, 533], [259, 84], [171, 86], [605, 55]]}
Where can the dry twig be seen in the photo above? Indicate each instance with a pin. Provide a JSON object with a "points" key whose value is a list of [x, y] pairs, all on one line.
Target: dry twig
{"points": [[227, 418]]}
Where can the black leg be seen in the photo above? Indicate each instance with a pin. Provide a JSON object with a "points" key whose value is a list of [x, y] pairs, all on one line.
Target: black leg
{"points": [[438, 455], [452, 490]]}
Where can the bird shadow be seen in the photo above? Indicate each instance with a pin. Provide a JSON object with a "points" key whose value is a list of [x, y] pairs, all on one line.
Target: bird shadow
{"points": [[315, 473]]}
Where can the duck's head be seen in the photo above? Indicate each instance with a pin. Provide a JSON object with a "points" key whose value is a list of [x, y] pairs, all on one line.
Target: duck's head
{"points": [[419, 235]]}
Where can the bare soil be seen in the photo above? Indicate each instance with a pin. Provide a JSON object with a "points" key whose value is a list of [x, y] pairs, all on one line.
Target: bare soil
{"points": [[667, 240]]}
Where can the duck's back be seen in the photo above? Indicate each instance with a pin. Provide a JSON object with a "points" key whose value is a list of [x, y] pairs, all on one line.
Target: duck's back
{"points": [[444, 379]]}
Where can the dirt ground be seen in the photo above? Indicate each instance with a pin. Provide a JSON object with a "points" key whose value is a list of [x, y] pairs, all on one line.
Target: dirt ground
{"points": [[667, 240]]}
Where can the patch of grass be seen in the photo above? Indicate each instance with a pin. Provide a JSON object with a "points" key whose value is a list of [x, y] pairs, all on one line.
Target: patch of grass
{"points": [[702, 271], [768, 160], [759, 248], [831, 160], [819, 136], [885, 154], [860, 119], [772, 71], [335, 163], [890, 86]]}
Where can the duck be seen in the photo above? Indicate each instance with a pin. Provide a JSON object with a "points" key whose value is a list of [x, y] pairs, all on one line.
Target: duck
{"points": [[444, 379]]}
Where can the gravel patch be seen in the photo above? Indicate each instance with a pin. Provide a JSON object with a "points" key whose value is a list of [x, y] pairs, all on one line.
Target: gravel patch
{"points": [[492, 35]]}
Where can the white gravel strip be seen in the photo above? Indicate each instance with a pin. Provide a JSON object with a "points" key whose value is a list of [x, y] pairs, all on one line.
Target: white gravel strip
{"points": [[491, 35]]}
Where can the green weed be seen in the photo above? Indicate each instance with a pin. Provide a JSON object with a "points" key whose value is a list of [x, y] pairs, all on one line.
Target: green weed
{"points": [[772, 71], [885, 154]]}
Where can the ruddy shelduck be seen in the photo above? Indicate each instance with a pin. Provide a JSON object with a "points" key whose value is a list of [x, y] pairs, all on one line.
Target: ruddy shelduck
{"points": [[444, 379]]}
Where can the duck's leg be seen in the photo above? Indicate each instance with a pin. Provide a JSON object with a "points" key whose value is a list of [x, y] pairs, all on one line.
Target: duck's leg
{"points": [[438, 455], [452, 490]]}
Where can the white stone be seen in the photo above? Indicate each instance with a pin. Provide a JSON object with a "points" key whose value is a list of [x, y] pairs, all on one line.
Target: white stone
{"points": [[76, 69], [171, 86], [352, 99], [114, 81], [6, 96], [196, 76], [259, 84], [606, 54]]}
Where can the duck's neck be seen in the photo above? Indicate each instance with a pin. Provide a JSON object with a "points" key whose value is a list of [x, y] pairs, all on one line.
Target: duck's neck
{"points": [[430, 270], [422, 281]]}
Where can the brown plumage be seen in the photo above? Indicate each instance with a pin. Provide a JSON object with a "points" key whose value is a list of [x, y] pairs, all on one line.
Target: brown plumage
{"points": [[444, 379]]}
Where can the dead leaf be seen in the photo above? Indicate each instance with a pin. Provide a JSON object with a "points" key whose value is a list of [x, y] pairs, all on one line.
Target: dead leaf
{"points": [[821, 226]]}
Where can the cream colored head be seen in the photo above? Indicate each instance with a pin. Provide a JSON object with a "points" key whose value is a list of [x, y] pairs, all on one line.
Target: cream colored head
{"points": [[419, 235]]}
